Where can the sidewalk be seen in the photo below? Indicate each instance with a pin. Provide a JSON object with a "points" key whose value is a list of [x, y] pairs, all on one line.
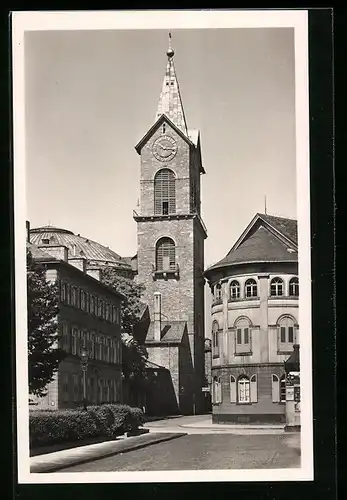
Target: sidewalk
{"points": [[52, 462], [202, 425]]}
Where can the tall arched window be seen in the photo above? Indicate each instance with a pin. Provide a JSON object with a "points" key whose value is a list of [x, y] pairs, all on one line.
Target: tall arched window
{"points": [[234, 290], [251, 289], [286, 334], [164, 192], [215, 339], [243, 390], [165, 255], [276, 287], [294, 287], [243, 336]]}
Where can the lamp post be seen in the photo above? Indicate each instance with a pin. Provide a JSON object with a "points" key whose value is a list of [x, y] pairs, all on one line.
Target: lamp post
{"points": [[84, 367]]}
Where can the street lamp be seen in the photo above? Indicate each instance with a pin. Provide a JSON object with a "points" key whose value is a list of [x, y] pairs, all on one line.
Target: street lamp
{"points": [[84, 367]]}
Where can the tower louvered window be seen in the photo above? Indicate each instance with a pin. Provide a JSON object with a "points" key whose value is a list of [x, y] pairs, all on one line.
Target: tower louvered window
{"points": [[165, 255], [164, 192]]}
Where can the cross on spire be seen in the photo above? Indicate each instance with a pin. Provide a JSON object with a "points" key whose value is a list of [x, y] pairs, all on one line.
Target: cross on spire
{"points": [[170, 102]]}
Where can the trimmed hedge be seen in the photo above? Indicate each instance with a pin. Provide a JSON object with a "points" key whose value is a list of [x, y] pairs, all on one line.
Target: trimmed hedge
{"points": [[58, 426]]}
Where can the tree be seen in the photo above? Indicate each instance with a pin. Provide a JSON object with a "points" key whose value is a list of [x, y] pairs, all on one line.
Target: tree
{"points": [[44, 355], [134, 354]]}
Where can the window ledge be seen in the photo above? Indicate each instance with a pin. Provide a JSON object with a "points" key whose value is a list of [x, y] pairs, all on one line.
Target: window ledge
{"points": [[243, 353], [215, 356]]}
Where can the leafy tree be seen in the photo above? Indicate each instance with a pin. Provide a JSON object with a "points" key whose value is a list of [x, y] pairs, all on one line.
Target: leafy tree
{"points": [[134, 354], [44, 355]]}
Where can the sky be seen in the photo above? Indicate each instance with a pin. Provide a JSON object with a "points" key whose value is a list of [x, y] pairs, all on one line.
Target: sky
{"points": [[90, 96]]}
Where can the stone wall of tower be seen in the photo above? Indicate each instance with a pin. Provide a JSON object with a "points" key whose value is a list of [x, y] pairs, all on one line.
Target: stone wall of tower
{"points": [[177, 301], [179, 165]]}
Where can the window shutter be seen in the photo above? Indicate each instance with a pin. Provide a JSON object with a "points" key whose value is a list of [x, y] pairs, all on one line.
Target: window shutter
{"points": [[275, 389], [254, 389], [290, 334], [246, 336], [283, 334], [219, 391], [239, 339], [232, 390]]}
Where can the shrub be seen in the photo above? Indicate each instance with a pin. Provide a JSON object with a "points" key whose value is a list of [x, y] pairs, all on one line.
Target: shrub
{"points": [[58, 426]]}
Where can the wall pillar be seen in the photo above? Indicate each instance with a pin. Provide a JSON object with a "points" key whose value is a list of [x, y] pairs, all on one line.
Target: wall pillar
{"points": [[263, 315]]}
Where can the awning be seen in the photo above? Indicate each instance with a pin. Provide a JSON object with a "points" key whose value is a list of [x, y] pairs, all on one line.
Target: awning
{"points": [[293, 362]]}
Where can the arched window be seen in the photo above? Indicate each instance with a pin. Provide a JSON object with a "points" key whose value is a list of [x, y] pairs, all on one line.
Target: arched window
{"points": [[217, 390], [251, 289], [215, 339], [164, 192], [243, 336], [276, 287], [294, 287], [283, 389], [233, 395], [286, 334], [218, 292], [243, 390], [234, 290], [165, 255]]}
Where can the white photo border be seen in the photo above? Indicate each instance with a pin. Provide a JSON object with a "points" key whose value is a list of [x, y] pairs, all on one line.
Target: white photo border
{"points": [[132, 20]]}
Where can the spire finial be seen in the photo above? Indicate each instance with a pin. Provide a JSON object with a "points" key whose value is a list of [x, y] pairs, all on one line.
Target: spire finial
{"points": [[265, 205], [170, 52]]}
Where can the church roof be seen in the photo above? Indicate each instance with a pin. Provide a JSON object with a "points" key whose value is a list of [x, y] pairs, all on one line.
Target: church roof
{"points": [[266, 239], [77, 246], [170, 101], [171, 331]]}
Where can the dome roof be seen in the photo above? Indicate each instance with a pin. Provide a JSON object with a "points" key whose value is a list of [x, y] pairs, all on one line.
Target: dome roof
{"points": [[95, 253]]}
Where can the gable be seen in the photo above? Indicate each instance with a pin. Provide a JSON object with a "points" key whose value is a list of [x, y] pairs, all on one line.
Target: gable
{"points": [[162, 119]]}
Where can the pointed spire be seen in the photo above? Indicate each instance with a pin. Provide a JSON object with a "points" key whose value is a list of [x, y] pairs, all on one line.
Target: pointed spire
{"points": [[170, 102]]}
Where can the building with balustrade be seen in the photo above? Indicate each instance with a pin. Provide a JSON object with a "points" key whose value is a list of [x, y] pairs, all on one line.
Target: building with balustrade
{"points": [[255, 322]]}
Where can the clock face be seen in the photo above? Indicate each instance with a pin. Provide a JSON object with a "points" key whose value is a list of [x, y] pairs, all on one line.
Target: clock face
{"points": [[164, 148]]}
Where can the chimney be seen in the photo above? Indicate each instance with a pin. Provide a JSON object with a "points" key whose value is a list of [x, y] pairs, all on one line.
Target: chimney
{"points": [[94, 272], [157, 316], [79, 262], [59, 252], [28, 231]]}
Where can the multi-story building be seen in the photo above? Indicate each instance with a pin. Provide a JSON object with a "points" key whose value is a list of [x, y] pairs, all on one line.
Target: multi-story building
{"points": [[170, 237], [255, 324], [88, 322]]}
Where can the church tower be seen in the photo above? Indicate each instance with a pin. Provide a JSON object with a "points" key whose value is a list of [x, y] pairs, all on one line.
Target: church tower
{"points": [[170, 238]]}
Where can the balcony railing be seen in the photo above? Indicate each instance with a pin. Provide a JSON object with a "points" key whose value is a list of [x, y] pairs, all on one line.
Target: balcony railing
{"points": [[171, 272]]}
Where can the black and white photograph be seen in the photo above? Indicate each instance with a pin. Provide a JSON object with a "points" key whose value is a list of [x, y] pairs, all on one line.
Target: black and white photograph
{"points": [[162, 246]]}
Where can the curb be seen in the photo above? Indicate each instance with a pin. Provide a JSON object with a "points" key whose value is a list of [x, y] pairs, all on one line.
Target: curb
{"points": [[54, 467]]}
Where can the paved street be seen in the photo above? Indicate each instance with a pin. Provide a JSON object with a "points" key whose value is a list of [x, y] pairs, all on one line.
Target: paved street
{"points": [[205, 451]]}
